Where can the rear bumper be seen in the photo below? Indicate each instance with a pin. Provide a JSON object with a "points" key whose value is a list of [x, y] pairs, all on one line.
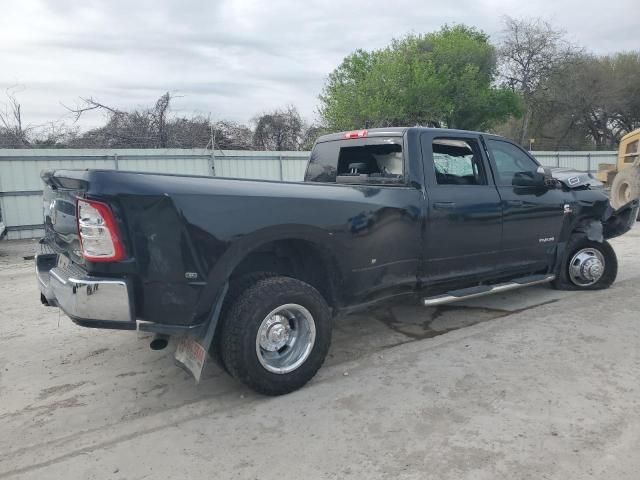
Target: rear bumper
{"points": [[88, 300], [96, 302]]}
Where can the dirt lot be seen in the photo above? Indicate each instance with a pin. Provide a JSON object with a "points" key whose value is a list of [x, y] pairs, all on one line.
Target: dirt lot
{"points": [[532, 384]]}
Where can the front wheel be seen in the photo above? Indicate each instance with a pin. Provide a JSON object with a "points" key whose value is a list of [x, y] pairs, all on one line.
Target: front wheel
{"points": [[276, 335], [587, 265]]}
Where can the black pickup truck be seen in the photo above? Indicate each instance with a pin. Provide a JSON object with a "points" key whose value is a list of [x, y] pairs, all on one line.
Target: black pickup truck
{"points": [[252, 272]]}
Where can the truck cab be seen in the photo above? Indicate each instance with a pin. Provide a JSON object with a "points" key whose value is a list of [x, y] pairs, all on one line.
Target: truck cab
{"points": [[484, 207]]}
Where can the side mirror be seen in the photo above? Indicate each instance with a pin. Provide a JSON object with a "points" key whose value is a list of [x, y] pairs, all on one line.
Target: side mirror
{"points": [[530, 179]]}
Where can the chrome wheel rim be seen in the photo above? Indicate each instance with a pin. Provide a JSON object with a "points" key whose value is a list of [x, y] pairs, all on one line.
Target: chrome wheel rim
{"points": [[285, 338], [586, 267]]}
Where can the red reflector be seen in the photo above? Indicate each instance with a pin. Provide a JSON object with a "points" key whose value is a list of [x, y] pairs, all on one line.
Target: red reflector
{"points": [[356, 134]]}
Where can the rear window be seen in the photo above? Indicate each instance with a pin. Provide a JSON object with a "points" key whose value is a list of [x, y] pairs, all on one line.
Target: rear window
{"points": [[370, 161]]}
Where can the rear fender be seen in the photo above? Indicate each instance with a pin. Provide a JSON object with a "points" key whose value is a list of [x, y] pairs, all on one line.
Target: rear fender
{"points": [[218, 279], [225, 266]]}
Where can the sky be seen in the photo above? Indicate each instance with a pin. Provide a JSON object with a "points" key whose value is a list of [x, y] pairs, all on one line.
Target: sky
{"points": [[234, 59]]}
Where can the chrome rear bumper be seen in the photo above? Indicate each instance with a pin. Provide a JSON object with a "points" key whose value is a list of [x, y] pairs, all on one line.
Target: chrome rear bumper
{"points": [[88, 300]]}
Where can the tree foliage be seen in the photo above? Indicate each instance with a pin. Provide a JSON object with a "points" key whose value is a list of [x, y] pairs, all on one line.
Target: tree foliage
{"points": [[156, 127], [311, 134], [148, 127], [532, 52], [16, 133], [592, 101], [439, 79], [279, 130]]}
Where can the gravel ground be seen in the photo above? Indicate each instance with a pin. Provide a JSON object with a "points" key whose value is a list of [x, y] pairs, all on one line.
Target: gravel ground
{"points": [[531, 384]]}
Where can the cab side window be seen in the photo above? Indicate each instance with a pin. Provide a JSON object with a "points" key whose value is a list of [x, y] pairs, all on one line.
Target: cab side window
{"points": [[458, 162], [509, 160]]}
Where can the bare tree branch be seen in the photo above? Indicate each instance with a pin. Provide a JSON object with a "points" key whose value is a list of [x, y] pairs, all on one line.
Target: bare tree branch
{"points": [[13, 133], [89, 104]]}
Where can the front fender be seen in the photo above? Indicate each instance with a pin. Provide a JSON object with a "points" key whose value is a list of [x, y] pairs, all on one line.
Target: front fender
{"points": [[620, 221], [603, 223]]}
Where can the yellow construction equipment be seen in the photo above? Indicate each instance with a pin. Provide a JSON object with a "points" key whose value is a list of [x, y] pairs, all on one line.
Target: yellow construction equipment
{"points": [[624, 177]]}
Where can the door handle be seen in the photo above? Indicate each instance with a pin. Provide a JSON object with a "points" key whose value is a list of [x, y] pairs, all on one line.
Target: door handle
{"points": [[444, 205], [515, 203]]}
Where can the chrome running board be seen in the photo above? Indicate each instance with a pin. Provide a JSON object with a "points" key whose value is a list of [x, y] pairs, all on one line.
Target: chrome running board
{"points": [[482, 290]]}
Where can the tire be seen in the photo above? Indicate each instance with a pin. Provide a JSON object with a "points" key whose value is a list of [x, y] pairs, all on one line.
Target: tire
{"points": [[625, 186], [290, 308], [236, 289], [579, 250]]}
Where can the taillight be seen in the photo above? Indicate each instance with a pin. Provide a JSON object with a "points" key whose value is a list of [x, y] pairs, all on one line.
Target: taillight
{"points": [[98, 232], [356, 134]]}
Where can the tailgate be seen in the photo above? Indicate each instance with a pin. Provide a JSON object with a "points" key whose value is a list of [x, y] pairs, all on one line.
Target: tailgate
{"points": [[59, 207]]}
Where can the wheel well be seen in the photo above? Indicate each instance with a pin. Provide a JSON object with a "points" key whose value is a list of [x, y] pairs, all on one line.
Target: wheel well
{"points": [[295, 258], [589, 227]]}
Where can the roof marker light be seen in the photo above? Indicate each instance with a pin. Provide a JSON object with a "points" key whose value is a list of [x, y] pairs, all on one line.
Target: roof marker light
{"points": [[356, 134]]}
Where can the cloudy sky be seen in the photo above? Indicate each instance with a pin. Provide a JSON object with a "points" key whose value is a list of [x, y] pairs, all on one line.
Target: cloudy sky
{"points": [[236, 58]]}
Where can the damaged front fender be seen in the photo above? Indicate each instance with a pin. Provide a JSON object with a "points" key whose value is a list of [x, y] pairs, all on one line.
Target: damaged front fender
{"points": [[612, 223], [620, 221]]}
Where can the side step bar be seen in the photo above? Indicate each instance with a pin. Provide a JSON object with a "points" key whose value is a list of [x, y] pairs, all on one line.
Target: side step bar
{"points": [[482, 290]]}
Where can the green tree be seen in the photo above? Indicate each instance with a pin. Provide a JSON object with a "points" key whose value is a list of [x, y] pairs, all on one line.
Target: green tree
{"points": [[445, 79]]}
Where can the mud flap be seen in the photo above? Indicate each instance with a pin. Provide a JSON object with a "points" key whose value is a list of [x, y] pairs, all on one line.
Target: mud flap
{"points": [[192, 353], [191, 356]]}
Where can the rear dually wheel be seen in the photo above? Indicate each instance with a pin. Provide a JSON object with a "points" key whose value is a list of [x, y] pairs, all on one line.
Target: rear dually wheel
{"points": [[276, 335]]}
